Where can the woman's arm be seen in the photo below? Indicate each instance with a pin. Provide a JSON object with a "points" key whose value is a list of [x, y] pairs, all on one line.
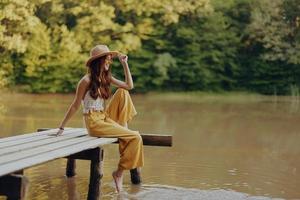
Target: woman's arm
{"points": [[128, 84], [80, 91]]}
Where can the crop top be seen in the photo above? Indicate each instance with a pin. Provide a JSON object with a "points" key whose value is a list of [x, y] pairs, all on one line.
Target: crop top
{"points": [[88, 103]]}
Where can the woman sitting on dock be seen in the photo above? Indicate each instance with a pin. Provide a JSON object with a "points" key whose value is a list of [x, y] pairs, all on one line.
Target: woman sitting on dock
{"points": [[111, 120]]}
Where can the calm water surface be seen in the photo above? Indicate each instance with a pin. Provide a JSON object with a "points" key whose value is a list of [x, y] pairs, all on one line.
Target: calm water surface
{"points": [[224, 147]]}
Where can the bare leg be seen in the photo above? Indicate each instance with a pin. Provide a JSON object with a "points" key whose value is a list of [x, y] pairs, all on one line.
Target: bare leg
{"points": [[118, 178], [118, 174]]}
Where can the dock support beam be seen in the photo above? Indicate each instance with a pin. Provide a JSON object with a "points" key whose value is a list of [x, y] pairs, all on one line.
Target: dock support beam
{"points": [[135, 176], [95, 175], [71, 167], [13, 186]]}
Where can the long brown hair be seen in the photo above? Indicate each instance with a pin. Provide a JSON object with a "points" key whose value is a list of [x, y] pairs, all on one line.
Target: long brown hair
{"points": [[100, 79]]}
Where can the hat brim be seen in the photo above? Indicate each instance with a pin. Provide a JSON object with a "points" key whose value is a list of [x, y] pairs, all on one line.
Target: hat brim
{"points": [[113, 53]]}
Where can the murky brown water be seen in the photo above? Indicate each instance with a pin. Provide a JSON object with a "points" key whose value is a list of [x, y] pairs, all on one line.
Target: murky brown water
{"points": [[241, 147]]}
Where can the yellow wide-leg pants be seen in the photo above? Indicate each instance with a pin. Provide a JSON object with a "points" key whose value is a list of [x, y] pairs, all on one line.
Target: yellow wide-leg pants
{"points": [[109, 123]]}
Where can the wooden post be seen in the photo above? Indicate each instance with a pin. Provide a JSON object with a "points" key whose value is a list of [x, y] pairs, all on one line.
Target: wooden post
{"points": [[135, 176], [71, 166], [95, 175], [11, 186]]}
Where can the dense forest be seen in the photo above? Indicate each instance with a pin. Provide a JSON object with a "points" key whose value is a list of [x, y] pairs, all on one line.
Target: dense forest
{"points": [[178, 45]]}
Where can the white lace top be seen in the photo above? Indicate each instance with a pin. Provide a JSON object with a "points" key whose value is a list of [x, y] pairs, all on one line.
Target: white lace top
{"points": [[88, 103]]}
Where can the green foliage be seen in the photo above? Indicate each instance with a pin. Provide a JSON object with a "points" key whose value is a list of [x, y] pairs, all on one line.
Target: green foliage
{"points": [[269, 29], [172, 44]]}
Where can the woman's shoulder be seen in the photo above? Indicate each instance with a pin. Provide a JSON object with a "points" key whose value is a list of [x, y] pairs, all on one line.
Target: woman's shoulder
{"points": [[85, 79]]}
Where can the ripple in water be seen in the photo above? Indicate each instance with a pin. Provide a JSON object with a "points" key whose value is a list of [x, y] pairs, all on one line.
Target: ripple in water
{"points": [[164, 192]]}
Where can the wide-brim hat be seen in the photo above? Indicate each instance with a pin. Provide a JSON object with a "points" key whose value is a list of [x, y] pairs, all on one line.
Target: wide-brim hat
{"points": [[99, 51]]}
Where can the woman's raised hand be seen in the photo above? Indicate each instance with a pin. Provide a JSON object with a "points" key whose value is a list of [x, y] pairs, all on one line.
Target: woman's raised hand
{"points": [[123, 58]]}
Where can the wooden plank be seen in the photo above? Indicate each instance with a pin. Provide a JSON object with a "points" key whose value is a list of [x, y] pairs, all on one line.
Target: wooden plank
{"points": [[37, 137], [41, 149], [34, 144], [156, 140], [26, 135], [150, 139], [58, 153]]}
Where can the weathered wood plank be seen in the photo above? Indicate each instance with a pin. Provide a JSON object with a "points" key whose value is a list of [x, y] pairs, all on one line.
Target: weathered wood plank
{"points": [[42, 149], [148, 139], [51, 155], [34, 134], [37, 137], [35, 144], [156, 140]]}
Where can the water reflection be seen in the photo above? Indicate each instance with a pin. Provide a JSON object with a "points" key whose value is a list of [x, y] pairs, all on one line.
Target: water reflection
{"points": [[73, 194], [24, 188], [247, 144]]}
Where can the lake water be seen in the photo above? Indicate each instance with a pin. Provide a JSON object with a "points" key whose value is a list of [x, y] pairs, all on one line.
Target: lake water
{"points": [[224, 147]]}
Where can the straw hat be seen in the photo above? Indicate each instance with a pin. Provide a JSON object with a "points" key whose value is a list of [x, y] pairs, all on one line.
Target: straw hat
{"points": [[99, 51]]}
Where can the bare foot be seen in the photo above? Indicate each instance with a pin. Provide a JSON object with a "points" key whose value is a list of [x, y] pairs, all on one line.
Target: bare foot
{"points": [[118, 180]]}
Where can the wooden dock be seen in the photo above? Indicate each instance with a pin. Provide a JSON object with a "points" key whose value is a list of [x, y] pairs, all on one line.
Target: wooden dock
{"points": [[23, 151]]}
